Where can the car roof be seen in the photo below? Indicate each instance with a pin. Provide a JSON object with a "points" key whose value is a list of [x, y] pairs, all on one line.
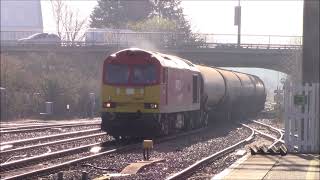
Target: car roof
{"points": [[37, 34]]}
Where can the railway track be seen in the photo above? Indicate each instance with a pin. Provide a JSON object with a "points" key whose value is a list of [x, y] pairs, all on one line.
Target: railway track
{"points": [[24, 148], [174, 155], [72, 158], [185, 173], [4, 168], [32, 128], [46, 138]]}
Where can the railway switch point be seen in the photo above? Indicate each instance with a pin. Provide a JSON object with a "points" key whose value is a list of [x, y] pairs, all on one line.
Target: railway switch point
{"points": [[147, 146]]}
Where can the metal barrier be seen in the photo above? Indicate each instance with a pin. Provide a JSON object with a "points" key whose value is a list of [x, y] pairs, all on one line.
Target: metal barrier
{"points": [[302, 117], [165, 40]]}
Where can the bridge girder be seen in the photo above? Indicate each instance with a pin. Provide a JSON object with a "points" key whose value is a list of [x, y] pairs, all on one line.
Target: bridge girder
{"points": [[284, 60]]}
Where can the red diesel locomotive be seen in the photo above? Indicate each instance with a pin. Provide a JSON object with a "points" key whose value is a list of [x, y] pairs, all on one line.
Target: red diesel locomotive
{"points": [[147, 93]]}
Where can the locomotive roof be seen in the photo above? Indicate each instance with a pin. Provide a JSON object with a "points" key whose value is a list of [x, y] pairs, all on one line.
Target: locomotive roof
{"points": [[167, 60]]}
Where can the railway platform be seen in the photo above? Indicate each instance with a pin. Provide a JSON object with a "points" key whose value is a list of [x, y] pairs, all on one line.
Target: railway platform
{"points": [[256, 167]]}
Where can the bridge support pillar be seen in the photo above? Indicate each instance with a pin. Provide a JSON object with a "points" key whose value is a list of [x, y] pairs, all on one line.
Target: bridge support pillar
{"points": [[310, 63]]}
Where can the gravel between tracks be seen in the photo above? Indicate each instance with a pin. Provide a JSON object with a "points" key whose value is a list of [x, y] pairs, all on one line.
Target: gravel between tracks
{"points": [[212, 169], [55, 130], [177, 154]]}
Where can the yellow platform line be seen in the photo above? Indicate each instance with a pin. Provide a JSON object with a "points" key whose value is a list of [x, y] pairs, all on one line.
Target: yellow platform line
{"points": [[312, 170]]}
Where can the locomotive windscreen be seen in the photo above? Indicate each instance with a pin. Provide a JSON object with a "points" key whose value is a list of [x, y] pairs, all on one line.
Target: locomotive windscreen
{"points": [[137, 74], [117, 73], [142, 74]]}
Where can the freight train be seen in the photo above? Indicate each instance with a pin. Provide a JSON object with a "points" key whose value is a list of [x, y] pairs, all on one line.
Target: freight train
{"points": [[146, 93]]}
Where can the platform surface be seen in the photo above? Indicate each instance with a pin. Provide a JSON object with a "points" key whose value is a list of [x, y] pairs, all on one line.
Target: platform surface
{"points": [[291, 166]]}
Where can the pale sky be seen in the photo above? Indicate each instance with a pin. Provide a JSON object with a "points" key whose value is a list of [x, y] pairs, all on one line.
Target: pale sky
{"points": [[270, 17]]}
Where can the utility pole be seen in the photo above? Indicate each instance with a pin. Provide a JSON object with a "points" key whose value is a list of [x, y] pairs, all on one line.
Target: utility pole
{"points": [[237, 21]]}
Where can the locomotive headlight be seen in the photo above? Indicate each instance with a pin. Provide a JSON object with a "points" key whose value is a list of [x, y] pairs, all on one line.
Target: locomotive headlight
{"points": [[150, 106], [109, 105]]}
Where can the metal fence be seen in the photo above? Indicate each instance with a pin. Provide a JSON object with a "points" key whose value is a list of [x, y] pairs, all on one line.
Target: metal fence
{"points": [[167, 40], [302, 117]]}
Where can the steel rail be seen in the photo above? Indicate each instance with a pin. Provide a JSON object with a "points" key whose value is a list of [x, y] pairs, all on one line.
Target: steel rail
{"points": [[275, 140], [22, 141], [57, 166], [187, 171], [46, 127], [74, 161], [267, 125], [51, 143], [34, 159], [280, 131], [262, 133]]}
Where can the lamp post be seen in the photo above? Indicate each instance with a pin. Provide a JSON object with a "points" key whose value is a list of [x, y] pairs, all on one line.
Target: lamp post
{"points": [[237, 20], [36, 100], [4, 104], [92, 104]]}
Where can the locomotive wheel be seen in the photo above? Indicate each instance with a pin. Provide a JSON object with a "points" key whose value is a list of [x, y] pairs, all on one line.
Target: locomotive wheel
{"points": [[180, 121], [204, 118], [164, 124], [165, 127], [191, 121]]}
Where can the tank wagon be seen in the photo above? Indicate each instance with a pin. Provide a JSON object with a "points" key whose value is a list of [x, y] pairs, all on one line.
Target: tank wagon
{"points": [[147, 93]]}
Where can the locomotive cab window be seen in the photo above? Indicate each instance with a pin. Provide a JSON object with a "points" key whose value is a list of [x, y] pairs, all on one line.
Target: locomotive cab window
{"points": [[143, 74], [117, 73]]}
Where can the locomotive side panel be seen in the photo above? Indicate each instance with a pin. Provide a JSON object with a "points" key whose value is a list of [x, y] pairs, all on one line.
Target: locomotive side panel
{"points": [[179, 96]]}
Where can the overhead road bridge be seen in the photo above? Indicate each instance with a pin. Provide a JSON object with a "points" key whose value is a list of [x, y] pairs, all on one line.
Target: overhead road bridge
{"points": [[280, 57]]}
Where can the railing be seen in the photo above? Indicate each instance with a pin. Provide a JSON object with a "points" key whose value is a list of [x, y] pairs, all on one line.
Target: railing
{"points": [[81, 44], [165, 40], [302, 117]]}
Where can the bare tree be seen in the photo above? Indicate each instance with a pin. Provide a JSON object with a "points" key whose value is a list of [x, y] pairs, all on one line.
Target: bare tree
{"points": [[68, 25]]}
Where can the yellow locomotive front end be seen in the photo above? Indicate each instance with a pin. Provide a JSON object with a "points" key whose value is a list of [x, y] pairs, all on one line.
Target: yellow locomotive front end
{"points": [[130, 94], [128, 99]]}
